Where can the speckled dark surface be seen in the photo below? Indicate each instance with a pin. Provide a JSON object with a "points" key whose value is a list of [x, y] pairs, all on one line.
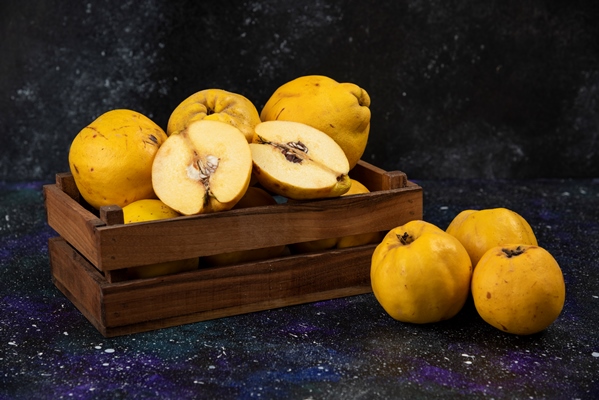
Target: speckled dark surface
{"points": [[346, 348], [464, 88]]}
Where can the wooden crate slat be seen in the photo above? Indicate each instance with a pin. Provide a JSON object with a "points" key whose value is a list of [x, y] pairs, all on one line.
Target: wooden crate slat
{"points": [[167, 240], [210, 293], [376, 179]]}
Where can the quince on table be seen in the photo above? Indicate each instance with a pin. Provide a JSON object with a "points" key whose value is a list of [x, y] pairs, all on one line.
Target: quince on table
{"points": [[481, 230], [420, 273]]}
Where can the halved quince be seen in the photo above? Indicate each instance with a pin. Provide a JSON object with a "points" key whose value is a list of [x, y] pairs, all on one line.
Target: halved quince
{"points": [[204, 168], [297, 161]]}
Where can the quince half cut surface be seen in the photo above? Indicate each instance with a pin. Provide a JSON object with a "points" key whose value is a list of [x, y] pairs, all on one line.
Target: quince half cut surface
{"points": [[299, 162], [205, 168]]}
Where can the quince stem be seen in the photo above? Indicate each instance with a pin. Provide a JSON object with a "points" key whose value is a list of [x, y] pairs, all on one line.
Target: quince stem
{"points": [[405, 239], [513, 252]]}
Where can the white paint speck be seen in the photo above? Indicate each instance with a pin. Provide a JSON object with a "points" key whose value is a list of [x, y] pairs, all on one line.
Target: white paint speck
{"points": [[595, 354], [109, 351]]}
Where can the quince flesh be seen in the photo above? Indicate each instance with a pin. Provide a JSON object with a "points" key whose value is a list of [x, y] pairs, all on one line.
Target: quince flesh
{"points": [[204, 168], [297, 161]]}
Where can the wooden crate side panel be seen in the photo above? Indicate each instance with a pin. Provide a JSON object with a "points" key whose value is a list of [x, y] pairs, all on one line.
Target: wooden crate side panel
{"points": [[187, 237], [77, 279], [225, 291], [72, 222]]}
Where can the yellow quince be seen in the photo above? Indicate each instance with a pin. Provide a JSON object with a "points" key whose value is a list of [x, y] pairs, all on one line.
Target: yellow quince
{"points": [[341, 110], [216, 105], [111, 158], [420, 274]]}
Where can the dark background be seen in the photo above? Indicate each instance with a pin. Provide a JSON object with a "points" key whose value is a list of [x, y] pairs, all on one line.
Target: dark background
{"points": [[465, 88]]}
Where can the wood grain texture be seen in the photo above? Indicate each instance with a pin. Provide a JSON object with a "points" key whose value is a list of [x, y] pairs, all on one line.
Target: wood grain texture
{"points": [[110, 245], [90, 258], [140, 305], [244, 229], [77, 279], [74, 223]]}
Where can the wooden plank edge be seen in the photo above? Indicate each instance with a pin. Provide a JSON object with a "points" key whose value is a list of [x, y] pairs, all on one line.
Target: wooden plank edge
{"points": [[120, 246], [232, 311], [206, 290]]}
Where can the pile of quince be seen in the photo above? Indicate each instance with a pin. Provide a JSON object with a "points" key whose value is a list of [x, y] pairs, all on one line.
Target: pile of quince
{"points": [[423, 274], [219, 153]]}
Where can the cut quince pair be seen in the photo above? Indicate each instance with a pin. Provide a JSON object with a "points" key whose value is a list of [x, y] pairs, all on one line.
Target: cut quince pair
{"points": [[314, 131], [206, 164]]}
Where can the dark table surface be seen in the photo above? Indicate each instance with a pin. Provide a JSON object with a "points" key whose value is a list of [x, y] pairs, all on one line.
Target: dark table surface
{"points": [[345, 348]]}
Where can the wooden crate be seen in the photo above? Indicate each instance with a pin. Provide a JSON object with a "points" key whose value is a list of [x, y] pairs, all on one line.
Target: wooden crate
{"points": [[94, 249]]}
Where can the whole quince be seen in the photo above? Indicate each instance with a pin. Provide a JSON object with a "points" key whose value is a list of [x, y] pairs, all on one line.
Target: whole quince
{"points": [[111, 158], [480, 230], [420, 273], [518, 289], [217, 105], [341, 110], [152, 210]]}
